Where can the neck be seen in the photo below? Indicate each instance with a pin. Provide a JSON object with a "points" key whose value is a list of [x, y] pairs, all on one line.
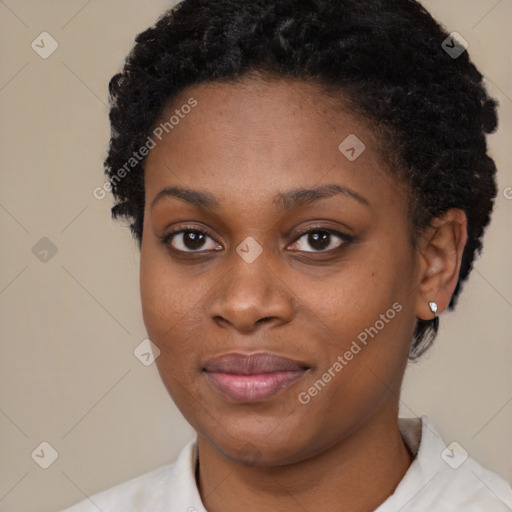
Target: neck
{"points": [[357, 475]]}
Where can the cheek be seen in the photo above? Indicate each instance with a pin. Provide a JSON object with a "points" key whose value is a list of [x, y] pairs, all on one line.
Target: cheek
{"points": [[354, 299], [167, 298], [368, 319], [168, 313], [173, 312]]}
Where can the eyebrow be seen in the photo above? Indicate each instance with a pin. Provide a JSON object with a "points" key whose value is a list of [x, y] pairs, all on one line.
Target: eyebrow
{"points": [[284, 200]]}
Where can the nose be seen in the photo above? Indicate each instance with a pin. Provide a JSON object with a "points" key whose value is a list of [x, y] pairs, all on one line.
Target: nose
{"points": [[251, 294]]}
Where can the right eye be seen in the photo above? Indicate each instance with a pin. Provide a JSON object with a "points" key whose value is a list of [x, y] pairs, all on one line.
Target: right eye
{"points": [[188, 240]]}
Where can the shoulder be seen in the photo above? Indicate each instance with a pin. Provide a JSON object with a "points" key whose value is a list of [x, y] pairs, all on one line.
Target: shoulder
{"points": [[162, 489], [130, 495], [471, 488], [445, 478], [461, 483]]}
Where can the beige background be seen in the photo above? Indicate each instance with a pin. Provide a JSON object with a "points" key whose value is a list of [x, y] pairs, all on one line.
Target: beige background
{"points": [[68, 375]]}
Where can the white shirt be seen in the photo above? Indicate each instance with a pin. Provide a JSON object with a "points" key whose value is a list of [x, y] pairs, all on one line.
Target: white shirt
{"points": [[440, 479]]}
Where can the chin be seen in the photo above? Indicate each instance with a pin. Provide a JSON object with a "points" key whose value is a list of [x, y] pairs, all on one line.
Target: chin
{"points": [[254, 448]]}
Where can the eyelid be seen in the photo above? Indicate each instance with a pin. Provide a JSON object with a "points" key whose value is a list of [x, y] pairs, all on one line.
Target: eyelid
{"points": [[296, 234]]}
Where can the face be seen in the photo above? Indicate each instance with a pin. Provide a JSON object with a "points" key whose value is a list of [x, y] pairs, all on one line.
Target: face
{"points": [[328, 281]]}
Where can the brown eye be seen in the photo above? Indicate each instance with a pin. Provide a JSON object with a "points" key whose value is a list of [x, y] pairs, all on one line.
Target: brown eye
{"points": [[189, 240], [320, 240]]}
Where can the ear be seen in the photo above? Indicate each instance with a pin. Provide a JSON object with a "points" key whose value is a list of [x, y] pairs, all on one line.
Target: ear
{"points": [[440, 255]]}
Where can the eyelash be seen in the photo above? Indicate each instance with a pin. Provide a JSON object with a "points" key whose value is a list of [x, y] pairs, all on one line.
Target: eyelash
{"points": [[347, 239]]}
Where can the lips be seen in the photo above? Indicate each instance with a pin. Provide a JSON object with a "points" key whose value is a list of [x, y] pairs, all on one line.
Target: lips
{"points": [[252, 377], [252, 364]]}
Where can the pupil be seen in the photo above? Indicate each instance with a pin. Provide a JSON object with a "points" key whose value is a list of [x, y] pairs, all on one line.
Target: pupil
{"points": [[316, 239], [193, 240]]}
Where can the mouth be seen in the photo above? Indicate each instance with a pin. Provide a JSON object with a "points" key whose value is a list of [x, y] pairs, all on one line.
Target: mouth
{"points": [[254, 377]]}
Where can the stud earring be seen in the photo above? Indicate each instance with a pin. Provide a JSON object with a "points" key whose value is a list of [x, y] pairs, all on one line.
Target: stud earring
{"points": [[433, 307]]}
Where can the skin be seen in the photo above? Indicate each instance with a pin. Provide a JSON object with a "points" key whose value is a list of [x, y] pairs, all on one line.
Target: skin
{"points": [[243, 143]]}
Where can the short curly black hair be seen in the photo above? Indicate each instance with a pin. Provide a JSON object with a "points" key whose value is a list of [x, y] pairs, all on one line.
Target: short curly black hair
{"points": [[389, 58]]}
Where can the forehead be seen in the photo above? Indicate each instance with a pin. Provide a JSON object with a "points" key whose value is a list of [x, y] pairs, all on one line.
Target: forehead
{"points": [[258, 138]]}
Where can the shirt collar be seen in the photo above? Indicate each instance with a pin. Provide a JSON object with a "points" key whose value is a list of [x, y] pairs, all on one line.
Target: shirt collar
{"points": [[422, 439], [419, 436]]}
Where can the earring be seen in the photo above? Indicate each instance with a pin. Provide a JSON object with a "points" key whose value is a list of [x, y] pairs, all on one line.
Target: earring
{"points": [[433, 307]]}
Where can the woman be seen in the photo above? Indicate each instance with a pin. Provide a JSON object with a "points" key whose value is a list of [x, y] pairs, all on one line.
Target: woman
{"points": [[308, 183]]}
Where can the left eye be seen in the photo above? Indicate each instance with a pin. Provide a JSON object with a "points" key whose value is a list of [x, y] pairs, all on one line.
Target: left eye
{"points": [[193, 240], [321, 240]]}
